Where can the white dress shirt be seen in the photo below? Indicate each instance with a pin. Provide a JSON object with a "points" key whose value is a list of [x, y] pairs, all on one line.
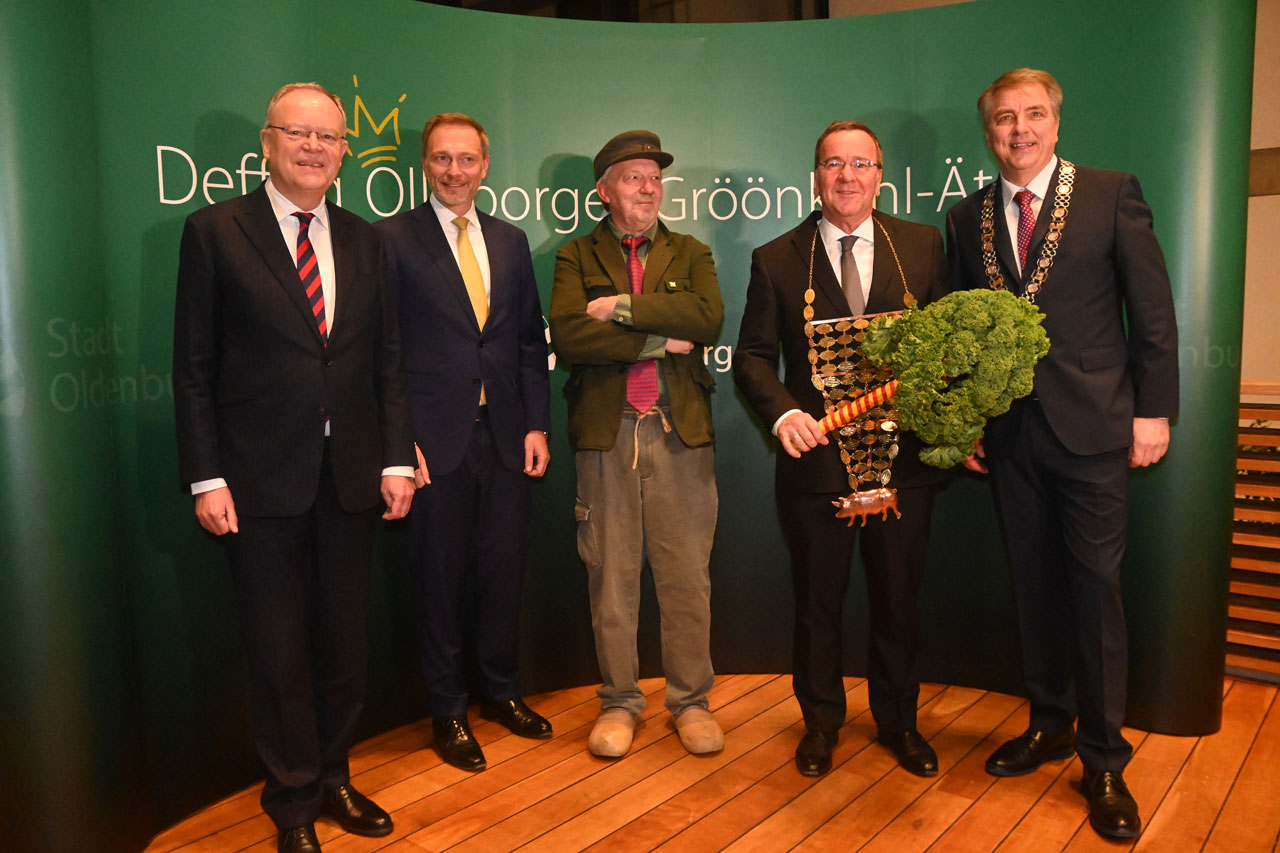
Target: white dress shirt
{"points": [[474, 234], [864, 250], [1039, 187]]}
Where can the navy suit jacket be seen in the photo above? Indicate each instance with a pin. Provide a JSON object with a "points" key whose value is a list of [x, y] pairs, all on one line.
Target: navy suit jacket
{"points": [[446, 354], [1113, 341], [253, 381]]}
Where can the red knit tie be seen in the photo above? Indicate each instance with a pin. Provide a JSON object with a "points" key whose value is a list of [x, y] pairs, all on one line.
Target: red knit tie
{"points": [[309, 272], [642, 377], [1026, 224]]}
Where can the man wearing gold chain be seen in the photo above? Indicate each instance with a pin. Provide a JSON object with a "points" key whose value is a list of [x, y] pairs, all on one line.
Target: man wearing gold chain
{"points": [[841, 262], [1079, 244]]}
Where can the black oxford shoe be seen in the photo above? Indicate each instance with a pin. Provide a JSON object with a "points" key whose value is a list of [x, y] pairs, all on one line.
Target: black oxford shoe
{"points": [[912, 751], [456, 743], [1113, 813], [356, 813], [299, 839], [517, 716], [1029, 750], [813, 755]]}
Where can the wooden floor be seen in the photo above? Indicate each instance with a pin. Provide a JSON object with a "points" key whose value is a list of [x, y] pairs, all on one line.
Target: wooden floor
{"points": [[1215, 793]]}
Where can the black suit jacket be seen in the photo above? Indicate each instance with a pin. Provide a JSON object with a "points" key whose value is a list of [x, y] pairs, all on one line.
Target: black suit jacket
{"points": [[1108, 272], [773, 325], [447, 356], [252, 379]]}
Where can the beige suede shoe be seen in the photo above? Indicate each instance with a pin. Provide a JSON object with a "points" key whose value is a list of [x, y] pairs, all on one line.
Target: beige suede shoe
{"points": [[699, 731], [612, 733]]}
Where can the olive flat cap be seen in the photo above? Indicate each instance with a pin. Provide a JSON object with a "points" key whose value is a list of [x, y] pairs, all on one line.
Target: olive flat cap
{"points": [[631, 145]]}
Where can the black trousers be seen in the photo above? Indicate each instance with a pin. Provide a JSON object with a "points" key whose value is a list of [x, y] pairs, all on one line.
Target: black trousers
{"points": [[1063, 517], [893, 550], [469, 531], [301, 585]]}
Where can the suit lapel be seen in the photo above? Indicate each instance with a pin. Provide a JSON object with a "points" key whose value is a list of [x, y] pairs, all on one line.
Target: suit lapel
{"points": [[499, 275], [426, 226], [1042, 224], [885, 280], [657, 261], [824, 278], [258, 222], [1004, 243], [610, 255]]}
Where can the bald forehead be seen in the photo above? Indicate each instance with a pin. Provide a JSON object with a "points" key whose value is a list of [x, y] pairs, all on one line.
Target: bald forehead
{"points": [[306, 105]]}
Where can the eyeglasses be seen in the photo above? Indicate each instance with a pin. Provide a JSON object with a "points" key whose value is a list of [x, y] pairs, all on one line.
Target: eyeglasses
{"points": [[835, 165], [300, 134]]}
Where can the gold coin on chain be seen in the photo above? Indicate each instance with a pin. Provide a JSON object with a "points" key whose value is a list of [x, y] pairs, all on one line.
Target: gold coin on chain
{"points": [[813, 356], [808, 312], [823, 329]]}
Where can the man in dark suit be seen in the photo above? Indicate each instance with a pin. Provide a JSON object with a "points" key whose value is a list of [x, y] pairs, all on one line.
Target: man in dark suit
{"points": [[292, 429], [1078, 243], [857, 261], [631, 304], [475, 352]]}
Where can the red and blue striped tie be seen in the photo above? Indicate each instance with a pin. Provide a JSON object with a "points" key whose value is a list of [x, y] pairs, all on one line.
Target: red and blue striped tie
{"points": [[309, 272]]}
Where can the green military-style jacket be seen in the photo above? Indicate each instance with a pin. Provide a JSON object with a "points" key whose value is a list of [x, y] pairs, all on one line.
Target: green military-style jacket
{"points": [[680, 299]]}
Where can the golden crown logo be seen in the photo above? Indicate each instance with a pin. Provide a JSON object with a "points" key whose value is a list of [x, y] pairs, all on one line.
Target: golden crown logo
{"points": [[375, 153]]}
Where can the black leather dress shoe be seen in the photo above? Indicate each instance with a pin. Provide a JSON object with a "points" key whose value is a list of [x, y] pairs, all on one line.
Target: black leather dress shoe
{"points": [[1029, 750], [1113, 813], [300, 839], [912, 751], [456, 743], [517, 716], [813, 755], [356, 813]]}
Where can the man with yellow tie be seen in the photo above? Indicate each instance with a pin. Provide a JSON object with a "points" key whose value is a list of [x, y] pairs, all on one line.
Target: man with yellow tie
{"points": [[475, 352]]}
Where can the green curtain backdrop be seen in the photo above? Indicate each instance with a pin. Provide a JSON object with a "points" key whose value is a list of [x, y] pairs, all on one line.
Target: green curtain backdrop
{"points": [[123, 700]]}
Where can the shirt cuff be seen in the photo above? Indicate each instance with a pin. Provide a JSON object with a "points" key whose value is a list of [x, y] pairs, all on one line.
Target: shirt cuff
{"points": [[398, 471], [622, 310], [655, 346], [788, 413], [201, 486]]}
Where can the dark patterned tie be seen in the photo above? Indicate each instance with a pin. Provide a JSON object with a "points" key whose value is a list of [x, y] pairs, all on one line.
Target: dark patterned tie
{"points": [[642, 377], [309, 272], [1026, 224]]}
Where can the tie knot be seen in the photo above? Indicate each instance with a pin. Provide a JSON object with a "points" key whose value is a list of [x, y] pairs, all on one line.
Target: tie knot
{"points": [[304, 216], [846, 243], [1023, 197], [461, 223], [634, 243]]}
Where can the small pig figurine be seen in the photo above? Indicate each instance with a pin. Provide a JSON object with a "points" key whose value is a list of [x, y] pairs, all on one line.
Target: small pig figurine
{"points": [[862, 504]]}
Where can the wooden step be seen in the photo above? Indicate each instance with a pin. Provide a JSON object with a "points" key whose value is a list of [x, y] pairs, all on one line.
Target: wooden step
{"points": [[1258, 437], [1253, 614], [1256, 534], [1257, 486], [1253, 638], [1250, 460], [1255, 664], [1255, 559], [1260, 412], [1260, 590], [1258, 510]]}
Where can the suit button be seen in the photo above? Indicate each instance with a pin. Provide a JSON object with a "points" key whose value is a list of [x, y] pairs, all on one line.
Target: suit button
{"points": [[328, 362], [320, 411]]}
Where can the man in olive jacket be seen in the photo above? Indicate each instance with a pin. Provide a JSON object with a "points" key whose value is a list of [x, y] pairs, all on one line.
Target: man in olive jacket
{"points": [[632, 306]]}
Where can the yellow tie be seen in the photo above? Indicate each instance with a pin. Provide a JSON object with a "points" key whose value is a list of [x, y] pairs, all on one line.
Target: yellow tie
{"points": [[471, 276]]}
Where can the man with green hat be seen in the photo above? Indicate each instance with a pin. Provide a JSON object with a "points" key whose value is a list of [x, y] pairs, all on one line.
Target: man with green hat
{"points": [[632, 307]]}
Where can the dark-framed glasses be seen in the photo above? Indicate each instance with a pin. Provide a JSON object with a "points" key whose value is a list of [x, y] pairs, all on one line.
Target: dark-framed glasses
{"points": [[300, 134]]}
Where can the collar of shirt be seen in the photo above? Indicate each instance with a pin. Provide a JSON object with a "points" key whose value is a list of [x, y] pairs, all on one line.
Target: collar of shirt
{"points": [[446, 217], [618, 234], [863, 249], [284, 210], [1038, 185]]}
